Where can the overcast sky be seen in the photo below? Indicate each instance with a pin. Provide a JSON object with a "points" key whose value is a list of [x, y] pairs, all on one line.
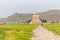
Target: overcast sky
{"points": [[8, 7]]}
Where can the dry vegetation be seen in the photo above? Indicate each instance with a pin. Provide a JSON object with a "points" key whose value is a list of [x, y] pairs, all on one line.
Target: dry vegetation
{"points": [[55, 28], [16, 31]]}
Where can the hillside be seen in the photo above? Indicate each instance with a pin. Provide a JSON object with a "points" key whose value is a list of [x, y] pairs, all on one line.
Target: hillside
{"points": [[51, 15]]}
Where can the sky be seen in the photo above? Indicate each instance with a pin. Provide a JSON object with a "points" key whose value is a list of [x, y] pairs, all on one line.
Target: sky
{"points": [[9, 7]]}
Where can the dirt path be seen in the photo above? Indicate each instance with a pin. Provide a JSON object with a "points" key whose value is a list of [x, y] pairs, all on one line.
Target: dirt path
{"points": [[41, 33]]}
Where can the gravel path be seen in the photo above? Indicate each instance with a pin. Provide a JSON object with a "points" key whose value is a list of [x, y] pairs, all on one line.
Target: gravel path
{"points": [[41, 33]]}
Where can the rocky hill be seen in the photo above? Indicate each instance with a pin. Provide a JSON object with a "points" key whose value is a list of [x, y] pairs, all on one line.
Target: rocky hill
{"points": [[51, 15]]}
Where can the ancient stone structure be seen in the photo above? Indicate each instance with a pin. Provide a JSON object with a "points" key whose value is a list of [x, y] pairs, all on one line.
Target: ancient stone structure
{"points": [[35, 20]]}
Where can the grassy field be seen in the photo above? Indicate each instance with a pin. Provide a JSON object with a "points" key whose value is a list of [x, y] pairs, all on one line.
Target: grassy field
{"points": [[16, 31], [55, 28]]}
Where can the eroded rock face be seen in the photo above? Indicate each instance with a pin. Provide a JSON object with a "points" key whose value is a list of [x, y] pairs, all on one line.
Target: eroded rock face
{"points": [[35, 20]]}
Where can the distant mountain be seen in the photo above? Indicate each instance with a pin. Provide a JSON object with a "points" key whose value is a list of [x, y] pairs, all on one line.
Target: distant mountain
{"points": [[51, 15], [20, 17]]}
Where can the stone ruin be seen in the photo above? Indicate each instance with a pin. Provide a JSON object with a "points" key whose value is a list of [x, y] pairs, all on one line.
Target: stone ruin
{"points": [[35, 20]]}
